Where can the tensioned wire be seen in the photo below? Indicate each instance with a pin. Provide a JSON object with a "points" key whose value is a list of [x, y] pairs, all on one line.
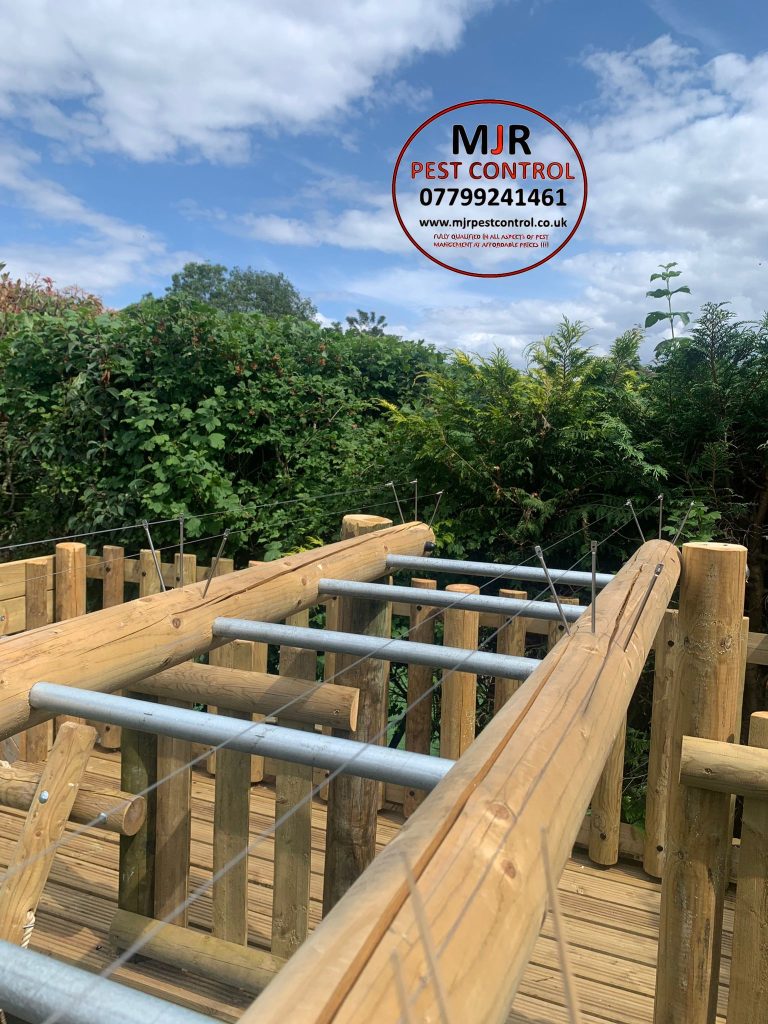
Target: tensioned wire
{"points": [[204, 515], [325, 514], [265, 833], [74, 833], [202, 889], [192, 898], [422, 983]]}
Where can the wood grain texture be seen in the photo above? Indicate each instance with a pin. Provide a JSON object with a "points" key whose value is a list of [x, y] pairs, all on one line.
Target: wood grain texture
{"points": [[114, 647], [36, 742], [30, 864], [123, 812], [474, 844], [353, 802], [260, 692], [665, 681], [187, 950], [293, 837], [418, 722], [509, 640], [748, 995], [724, 767], [458, 690], [698, 821], [234, 772]]}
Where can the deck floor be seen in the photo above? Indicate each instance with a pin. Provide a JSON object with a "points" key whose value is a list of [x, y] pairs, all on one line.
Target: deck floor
{"points": [[611, 919]]}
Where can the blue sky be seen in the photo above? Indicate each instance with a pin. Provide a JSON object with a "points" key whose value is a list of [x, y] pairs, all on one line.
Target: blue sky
{"points": [[136, 136]]}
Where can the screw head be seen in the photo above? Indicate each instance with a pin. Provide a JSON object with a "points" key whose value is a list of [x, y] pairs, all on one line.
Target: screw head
{"points": [[43, 798]]}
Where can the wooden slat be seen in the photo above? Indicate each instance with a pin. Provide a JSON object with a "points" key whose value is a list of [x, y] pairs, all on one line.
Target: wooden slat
{"points": [[458, 700], [173, 821], [13, 577], [481, 827], [748, 1002], [233, 784], [69, 594], [28, 869], [36, 742], [509, 640], [352, 801], [418, 722], [293, 838]]}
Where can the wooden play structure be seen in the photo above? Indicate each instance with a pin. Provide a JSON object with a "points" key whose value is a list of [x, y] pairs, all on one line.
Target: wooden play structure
{"points": [[200, 821]]}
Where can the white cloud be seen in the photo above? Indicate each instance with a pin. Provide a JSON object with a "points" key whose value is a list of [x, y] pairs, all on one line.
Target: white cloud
{"points": [[102, 253], [676, 150], [152, 79]]}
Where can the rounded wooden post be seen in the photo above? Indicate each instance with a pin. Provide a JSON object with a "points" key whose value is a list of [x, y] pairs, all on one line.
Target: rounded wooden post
{"points": [[509, 640], [69, 590], [38, 739], [748, 993], [418, 721], [293, 838], [667, 648], [353, 802], [458, 702], [698, 821], [605, 812]]}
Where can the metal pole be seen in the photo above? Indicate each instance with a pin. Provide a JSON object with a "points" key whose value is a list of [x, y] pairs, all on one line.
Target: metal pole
{"points": [[34, 987], [419, 771], [379, 648], [444, 599], [551, 585], [524, 573]]}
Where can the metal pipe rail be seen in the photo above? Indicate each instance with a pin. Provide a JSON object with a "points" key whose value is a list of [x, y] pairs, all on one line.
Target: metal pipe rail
{"points": [[405, 768], [34, 987], [445, 599], [378, 648], [524, 573]]}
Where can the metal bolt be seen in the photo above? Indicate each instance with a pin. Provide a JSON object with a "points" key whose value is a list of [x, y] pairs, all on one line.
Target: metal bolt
{"points": [[43, 798]]}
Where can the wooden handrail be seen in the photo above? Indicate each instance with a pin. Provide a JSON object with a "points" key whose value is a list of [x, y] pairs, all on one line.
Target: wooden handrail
{"points": [[114, 647], [474, 846]]}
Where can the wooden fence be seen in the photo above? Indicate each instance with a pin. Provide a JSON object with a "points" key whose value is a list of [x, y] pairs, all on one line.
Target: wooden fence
{"points": [[550, 758]]}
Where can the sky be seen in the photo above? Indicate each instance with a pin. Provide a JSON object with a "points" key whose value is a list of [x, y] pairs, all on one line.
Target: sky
{"points": [[136, 136]]}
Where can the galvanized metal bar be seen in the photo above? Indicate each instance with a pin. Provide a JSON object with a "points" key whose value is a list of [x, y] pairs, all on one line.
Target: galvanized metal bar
{"points": [[34, 988], [551, 585], [524, 573], [404, 651], [445, 599], [404, 768]]}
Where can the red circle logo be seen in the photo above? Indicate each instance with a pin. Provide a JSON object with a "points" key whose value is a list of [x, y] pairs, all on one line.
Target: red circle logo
{"points": [[489, 188]]}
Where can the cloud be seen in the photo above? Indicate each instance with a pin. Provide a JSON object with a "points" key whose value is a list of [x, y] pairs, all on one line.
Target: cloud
{"points": [[153, 80], [676, 149], [102, 252]]}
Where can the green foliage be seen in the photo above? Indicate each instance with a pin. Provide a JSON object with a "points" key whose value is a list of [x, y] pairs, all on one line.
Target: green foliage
{"points": [[240, 290], [364, 322], [169, 407], [667, 274]]}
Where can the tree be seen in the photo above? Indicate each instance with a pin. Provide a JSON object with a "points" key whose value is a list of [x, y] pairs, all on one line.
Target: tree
{"points": [[240, 290], [366, 323]]}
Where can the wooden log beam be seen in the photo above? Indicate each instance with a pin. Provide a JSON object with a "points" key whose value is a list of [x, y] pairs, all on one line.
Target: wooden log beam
{"points": [[748, 991], [293, 837], [124, 812], [474, 845], [708, 704], [27, 873], [458, 708], [667, 649], [724, 767], [262, 692], [203, 954], [112, 648], [418, 721], [353, 803]]}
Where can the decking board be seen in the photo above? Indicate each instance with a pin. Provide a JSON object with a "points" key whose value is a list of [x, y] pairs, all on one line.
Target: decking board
{"points": [[611, 917]]}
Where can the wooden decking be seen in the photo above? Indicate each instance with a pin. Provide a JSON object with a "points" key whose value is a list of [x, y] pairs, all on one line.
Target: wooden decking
{"points": [[611, 919]]}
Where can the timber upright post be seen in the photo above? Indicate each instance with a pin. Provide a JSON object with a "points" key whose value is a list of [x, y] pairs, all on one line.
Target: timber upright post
{"points": [[418, 721], [353, 802], [707, 705], [138, 774], [458, 698]]}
